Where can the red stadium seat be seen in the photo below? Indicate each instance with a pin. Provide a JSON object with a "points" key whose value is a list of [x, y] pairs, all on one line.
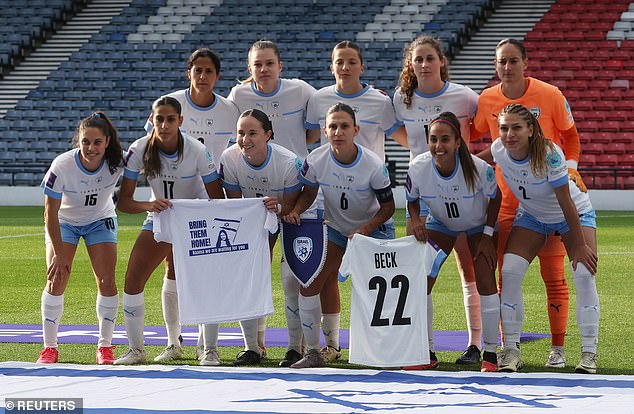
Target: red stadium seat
{"points": [[578, 104], [625, 74], [587, 160], [617, 116], [607, 160], [610, 126], [626, 138], [593, 95], [627, 126], [625, 182], [602, 138], [564, 74], [593, 148], [604, 182], [607, 74], [613, 95], [627, 160], [585, 74], [588, 126], [603, 105], [578, 84], [615, 148], [627, 45]]}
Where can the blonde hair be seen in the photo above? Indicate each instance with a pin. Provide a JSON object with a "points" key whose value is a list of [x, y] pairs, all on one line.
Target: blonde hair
{"points": [[538, 145], [407, 82], [260, 45]]}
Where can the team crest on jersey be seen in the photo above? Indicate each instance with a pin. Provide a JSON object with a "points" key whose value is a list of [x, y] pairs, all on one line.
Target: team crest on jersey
{"points": [[455, 188], [209, 122], [553, 160], [350, 178], [264, 180], [275, 104], [437, 109], [490, 175], [536, 112], [524, 173], [356, 109], [98, 180], [303, 248]]}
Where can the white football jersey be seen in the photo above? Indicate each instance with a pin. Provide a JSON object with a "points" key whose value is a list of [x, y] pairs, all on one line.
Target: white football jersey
{"points": [[536, 195], [286, 108], [221, 257], [349, 197], [459, 99], [388, 308], [373, 109], [86, 195], [179, 178], [278, 174], [449, 198], [213, 125]]}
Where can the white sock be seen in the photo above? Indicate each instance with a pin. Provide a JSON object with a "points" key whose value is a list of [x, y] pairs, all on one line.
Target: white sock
{"points": [[588, 309], [473, 313], [52, 309], [430, 322], [261, 331], [291, 303], [490, 321], [171, 315], [250, 335], [210, 335], [134, 318], [310, 313], [107, 308], [330, 328], [200, 341], [512, 299]]}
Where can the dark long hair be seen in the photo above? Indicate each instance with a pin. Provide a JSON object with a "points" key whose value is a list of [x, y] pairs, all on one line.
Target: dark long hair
{"points": [[407, 81], [151, 156], [468, 166], [99, 120]]}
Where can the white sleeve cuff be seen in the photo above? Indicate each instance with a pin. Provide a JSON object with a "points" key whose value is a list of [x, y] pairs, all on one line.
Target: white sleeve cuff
{"points": [[572, 164]]}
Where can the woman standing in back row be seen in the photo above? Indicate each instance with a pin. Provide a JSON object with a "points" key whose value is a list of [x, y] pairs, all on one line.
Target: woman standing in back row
{"points": [[284, 102], [211, 119], [552, 111], [424, 91]]}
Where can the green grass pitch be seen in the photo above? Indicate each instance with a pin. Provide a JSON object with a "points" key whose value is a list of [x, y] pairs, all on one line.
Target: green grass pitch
{"points": [[23, 274]]}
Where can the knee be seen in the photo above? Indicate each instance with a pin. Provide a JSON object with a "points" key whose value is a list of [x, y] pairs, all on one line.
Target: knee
{"points": [[514, 266]]}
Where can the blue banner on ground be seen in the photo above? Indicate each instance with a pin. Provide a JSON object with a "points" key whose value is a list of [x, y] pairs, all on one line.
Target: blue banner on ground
{"points": [[304, 248]]}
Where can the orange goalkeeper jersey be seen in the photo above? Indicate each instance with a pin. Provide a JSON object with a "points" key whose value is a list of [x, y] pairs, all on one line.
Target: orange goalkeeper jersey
{"points": [[550, 107]]}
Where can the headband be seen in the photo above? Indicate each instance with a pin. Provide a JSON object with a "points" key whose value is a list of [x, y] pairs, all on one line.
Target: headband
{"points": [[444, 121]]}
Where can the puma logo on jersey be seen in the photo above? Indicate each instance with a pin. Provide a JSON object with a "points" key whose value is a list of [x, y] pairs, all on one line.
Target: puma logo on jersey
{"points": [[555, 306], [53, 321], [131, 313], [109, 320], [309, 326]]}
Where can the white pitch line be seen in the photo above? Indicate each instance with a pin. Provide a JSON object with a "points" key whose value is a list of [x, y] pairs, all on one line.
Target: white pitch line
{"points": [[616, 252], [21, 235]]}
